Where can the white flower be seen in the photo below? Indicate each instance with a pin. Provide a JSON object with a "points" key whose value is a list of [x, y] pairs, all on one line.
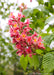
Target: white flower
{"points": [[52, 45]]}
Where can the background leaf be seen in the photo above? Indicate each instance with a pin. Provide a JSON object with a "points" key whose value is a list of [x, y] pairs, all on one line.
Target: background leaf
{"points": [[48, 62], [34, 62], [49, 19], [24, 62]]}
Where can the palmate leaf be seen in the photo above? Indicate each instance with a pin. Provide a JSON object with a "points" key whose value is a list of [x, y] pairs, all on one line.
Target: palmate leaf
{"points": [[48, 62], [51, 27], [39, 51], [47, 74], [26, 12], [40, 1], [22, 19], [34, 62], [51, 1], [43, 9], [49, 19], [24, 62], [40, 7], [48, 39], [10, 47]]}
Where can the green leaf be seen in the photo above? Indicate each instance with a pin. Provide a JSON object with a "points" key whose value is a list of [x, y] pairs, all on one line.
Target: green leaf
{"points": [[48, 39], [51, 27], [34, 62], [49, 19], [40, 1], [51, 1], [48, 62], [22, 19], [24, 61], [40, 7], [26, 12], [44, 34], [43, 8], [47, 74], [10, 47], [38, 51]]}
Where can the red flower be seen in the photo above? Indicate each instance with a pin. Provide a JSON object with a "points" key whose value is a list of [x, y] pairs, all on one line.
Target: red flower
{"points": [[23, 35], [11, 15], [25, 41], [28, 50], [22, 7], [29, 40], [30, 0]]}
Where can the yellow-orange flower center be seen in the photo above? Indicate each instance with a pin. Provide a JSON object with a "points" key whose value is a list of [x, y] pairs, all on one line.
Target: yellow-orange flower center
{"points": [[35, 40], [18, 39], [23, 35], [14, 31], [11, 14], [39, 43], [19, 15], [15, 25], [29, 39]]}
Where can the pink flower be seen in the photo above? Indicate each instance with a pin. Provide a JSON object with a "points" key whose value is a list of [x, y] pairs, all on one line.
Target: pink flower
{"points": [[40, 45], [25, 41], [11, 15], [19, 15], [13, 32], [23, 35], [34, 35], [18, 39], [24, 53], [40, 39], [27, 29], [29, 39], [34, 53], [35, 40], [18, 46], [15, 26], [13, 40], [21, 25], [10, 22], [23, 16], [27, 21], [19, 54], [22, 7], [30, 0], [30, 55], [28, 50]]}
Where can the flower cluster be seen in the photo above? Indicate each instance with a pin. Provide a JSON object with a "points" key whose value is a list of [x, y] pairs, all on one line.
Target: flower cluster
{"points": [[30, 0], [25, 39], [22, 7]]}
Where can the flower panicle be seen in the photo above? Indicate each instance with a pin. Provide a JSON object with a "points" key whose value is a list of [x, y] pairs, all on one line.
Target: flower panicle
{"points": [[25, 41]]}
